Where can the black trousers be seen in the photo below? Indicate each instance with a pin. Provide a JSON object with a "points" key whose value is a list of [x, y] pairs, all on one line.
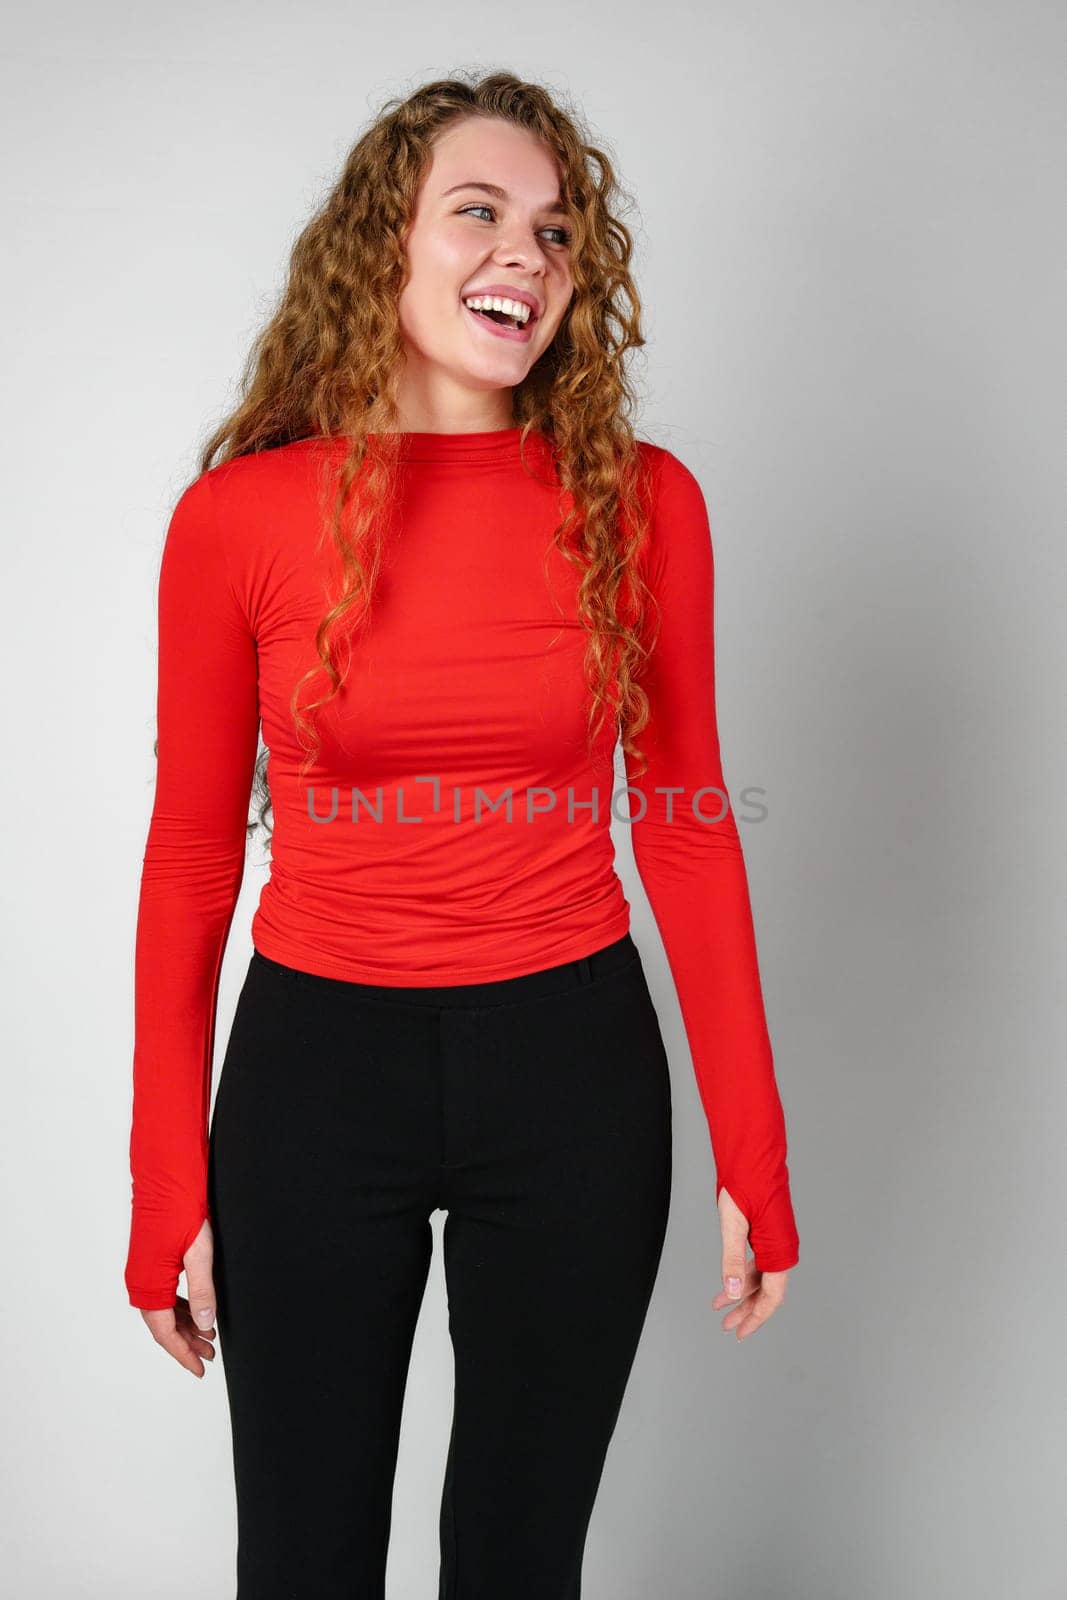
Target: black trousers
{"points": [[535, 1111]]}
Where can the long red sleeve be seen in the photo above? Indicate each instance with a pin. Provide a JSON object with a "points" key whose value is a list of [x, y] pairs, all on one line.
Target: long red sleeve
{"points": [[693, 872], [207, 729]]}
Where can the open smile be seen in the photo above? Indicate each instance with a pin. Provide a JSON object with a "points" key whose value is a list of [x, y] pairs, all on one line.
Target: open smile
{"points": [[488, 324]]}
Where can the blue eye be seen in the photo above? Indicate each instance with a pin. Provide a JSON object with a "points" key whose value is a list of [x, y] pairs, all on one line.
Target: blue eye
{"points": [[480, 205]]}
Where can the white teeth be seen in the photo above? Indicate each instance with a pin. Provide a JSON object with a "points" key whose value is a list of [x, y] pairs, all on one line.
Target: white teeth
{"points": [[511, 308]]}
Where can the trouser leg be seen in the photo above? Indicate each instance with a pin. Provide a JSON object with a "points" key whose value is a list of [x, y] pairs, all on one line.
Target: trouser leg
{"points": [[558, 1137], [320, 1207]]}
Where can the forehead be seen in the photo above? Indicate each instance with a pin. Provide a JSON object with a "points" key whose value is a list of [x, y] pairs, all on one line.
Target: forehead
{"points": [[489, 151]]}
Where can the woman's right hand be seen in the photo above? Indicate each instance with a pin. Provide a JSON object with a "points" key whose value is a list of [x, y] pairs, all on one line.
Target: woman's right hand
{"points": [[187, 1329]]}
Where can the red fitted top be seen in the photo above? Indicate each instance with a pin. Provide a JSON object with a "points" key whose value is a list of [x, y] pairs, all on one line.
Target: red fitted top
{"points": [[466, 686]]}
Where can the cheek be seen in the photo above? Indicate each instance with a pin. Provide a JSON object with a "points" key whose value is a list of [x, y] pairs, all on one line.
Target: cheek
{"points": [[439, 266], [441, 259], [563, 305], [420, 310], [563, 287]]}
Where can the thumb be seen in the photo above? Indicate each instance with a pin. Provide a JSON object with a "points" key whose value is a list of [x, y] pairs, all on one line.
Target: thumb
{"points": [[201, 1298], [734, 1240], [733, 1271], [202, 1302], [201, 1287]]}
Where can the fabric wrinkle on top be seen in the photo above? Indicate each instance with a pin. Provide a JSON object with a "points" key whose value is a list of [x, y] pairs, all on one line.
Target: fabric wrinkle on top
{"points": [[398, 860]]}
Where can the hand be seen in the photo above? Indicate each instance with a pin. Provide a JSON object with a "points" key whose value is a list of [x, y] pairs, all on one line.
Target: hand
{"points": [[759, 1294], [187, 1329]]}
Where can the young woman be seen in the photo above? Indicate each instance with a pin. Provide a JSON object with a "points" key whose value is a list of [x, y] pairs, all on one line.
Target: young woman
{"points": [[427, 555]]}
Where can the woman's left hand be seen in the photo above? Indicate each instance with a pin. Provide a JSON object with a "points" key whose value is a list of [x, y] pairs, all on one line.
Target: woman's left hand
{"points": [[758, 1294]]}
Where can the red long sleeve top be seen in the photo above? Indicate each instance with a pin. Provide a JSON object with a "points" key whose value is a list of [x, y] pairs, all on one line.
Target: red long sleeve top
{"points": [[404, 863]]}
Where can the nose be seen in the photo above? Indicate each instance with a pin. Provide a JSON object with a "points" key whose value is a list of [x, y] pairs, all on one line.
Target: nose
{"points": [[526, 253]]}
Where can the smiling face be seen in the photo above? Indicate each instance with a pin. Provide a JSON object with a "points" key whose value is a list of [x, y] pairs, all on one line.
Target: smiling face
{"points": [[488, 216]]}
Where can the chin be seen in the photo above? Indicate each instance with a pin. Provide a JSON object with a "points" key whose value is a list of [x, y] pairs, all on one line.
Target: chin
{"points": [[494, 374]]}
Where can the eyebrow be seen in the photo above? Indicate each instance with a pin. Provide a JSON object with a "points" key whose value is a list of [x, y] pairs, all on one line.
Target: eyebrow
{"points": [[557, 208]]}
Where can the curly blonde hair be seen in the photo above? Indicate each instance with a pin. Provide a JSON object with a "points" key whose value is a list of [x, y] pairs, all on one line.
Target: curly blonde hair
{"points": [[327, 363]]}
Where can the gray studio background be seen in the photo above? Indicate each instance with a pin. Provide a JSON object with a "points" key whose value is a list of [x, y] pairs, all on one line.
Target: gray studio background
{"points": [[851, 251]]}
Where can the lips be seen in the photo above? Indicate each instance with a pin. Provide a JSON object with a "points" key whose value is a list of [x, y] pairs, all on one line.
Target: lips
{"points": [[502, 291], [499, 330]]}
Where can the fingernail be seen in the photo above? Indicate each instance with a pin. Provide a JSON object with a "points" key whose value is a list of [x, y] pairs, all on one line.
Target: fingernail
{"points": [[733, 1286], [205, 1318]]}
